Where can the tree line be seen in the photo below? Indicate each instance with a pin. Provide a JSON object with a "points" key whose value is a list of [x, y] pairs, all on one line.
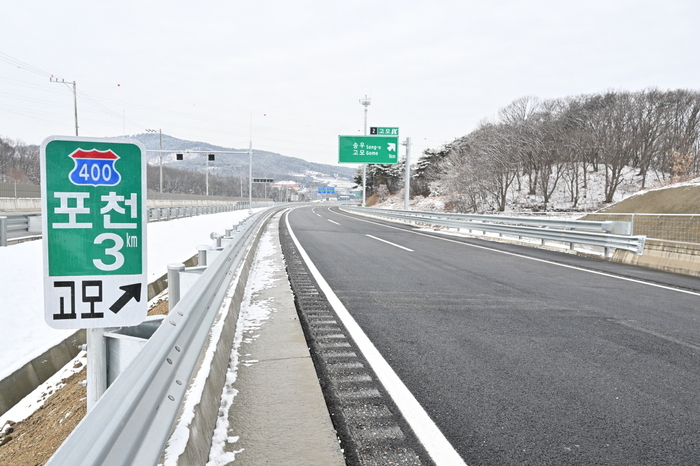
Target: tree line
{"points": [[538, 146], [19, 162]]}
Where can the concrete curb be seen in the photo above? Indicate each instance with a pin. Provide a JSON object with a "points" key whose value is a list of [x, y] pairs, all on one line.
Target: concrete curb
{"points": [[669, 256]]}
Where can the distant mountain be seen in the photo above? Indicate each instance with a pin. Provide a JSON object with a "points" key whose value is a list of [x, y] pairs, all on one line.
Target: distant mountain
{"points": [[265, 164]]}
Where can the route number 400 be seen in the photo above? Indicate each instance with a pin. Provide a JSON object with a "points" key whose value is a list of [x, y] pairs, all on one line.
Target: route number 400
{"points": [[113, 251], [96, 172]]}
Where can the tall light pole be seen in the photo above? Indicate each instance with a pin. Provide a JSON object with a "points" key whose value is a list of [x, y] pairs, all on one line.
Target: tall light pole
{"points": [[160, 163], [365, 103], [75, 99], [250, 168]]}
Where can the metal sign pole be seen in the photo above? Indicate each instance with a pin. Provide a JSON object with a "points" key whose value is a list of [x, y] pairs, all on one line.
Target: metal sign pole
{"points": [[364, 184], [407, 175], [96, 366]]}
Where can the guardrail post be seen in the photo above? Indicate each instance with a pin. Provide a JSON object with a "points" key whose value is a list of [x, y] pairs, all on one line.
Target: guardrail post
{"points": [[174, 284], [632, 225], [3, 231], [202, 255]]}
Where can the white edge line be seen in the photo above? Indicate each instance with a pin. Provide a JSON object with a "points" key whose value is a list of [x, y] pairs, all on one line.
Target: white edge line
{"points": [[522, 256], [433, 440], [388, 242]]}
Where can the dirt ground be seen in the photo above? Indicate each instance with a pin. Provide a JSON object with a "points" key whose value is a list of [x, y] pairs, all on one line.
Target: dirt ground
{"points": [[32, 442], [679, 200]]}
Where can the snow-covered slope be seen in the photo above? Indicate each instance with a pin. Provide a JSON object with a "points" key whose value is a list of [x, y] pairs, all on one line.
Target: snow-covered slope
{"points": [[25, 335], [590, 199]]}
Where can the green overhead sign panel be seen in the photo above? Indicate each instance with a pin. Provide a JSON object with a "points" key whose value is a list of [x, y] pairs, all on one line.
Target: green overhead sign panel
{"points": [[368, 149], [94, 225]]}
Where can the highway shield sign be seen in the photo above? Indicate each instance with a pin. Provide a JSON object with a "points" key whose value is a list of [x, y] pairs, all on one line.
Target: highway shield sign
{"points": [[93, 194]]}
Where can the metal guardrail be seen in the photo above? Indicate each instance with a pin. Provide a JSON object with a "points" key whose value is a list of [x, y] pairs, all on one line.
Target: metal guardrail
{"points": [[516, 226], [132, 421], [616, 227], [156, 214], [14, 226], [17, 226]]}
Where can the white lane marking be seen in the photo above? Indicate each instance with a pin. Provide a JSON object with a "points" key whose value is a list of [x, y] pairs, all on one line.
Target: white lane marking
{"points": [[387, 242], [545, 261], [435, 443], [332, 221]]}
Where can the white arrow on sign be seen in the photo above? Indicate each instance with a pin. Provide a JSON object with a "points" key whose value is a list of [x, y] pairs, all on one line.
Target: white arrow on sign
{"points": [[391, 147]]}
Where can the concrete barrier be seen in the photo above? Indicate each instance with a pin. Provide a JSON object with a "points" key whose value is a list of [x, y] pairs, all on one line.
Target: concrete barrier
{"points": [[22, 204], [25, 379], [669, 256]]}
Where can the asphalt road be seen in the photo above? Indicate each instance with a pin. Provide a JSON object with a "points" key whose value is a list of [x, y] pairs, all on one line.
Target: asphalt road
{"points": [[522, 356]]}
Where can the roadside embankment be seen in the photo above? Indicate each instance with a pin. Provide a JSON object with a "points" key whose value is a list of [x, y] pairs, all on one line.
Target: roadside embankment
{"points": [[25, 379]]}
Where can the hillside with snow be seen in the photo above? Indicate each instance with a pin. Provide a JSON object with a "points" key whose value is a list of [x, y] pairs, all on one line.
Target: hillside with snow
{"points": [[590, 198]]}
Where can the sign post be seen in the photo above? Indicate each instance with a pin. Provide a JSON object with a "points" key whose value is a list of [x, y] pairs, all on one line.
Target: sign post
{"points": [[93, 194]]}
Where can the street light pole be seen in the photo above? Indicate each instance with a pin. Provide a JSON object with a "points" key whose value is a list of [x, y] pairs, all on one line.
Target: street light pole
{"points": [[250, 177], [365, 103], [250, 168]]}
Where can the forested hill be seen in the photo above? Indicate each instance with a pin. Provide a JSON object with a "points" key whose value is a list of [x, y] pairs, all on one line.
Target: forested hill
{"points": [[265, 164]]}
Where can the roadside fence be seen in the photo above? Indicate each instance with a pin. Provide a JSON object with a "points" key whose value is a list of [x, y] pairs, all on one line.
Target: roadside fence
{"points": [[668, 227]]}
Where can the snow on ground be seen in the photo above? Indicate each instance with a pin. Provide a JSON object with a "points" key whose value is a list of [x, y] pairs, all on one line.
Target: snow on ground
{"points": [[24, 334]]}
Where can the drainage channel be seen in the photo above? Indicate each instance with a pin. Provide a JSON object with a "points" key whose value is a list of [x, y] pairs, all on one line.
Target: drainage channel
{"points": [[370, 428]]}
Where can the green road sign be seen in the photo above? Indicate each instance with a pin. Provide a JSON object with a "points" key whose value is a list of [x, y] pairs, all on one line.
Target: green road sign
{"points": [[93, 194], [383, 131], [368, 149]]}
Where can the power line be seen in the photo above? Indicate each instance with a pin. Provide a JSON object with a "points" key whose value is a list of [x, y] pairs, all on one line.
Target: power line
{"points": [[25, 66]]}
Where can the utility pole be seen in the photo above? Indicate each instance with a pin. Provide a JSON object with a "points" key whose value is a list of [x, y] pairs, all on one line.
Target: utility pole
{"points": [[365, 103], [75, 99], [160, 163]]}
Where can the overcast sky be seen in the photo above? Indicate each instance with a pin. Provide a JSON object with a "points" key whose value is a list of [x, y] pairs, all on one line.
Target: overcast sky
{"points": [[434, 68]]}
